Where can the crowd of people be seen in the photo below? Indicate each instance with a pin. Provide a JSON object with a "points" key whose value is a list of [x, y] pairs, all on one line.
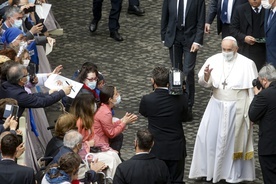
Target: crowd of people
{"points": [[88, 136]]}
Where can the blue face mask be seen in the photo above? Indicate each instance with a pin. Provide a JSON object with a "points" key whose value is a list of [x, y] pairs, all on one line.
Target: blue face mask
{"points": [[17, 23], [32, 1], [92, 85]]}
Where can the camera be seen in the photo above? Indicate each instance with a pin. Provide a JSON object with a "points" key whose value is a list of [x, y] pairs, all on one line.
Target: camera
{"points": [[32, 71], [175, 82], [257, 83], [11, 110], [29, 10]]}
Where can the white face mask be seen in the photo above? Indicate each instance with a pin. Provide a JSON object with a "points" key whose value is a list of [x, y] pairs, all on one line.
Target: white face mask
{"points": [[228, 56], [118, 100], [23, 44], [266, 4], [17, 23], [26, 62]]}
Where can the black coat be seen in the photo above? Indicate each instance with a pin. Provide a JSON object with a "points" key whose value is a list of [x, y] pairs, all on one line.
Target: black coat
{"points": [[263, 109], [194, 22], [11, 173], [165, 115], [215, 10], [242, 26], [142, 168]]}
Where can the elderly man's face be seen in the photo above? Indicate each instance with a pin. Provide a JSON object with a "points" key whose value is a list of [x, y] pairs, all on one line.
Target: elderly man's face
{"points": [[25, 78], [16, 16], [228, 46]]}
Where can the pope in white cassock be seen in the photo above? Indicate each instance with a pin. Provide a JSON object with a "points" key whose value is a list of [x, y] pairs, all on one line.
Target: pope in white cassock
{"points": [[224, 142]]}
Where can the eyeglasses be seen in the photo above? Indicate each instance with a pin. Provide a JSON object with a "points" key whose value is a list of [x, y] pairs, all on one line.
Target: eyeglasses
{"points": [[92, 79]]}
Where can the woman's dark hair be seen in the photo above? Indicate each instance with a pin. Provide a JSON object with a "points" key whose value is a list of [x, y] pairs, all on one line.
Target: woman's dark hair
{"points": [[85, 69], [106, 93], [83, 108]]}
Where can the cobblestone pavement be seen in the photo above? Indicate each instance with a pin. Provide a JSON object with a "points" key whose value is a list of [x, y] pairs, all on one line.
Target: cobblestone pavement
{"points": [[127, 64]]}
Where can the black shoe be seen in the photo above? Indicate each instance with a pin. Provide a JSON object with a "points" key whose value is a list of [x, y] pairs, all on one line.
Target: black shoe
{"points": [[135, 10], [93, 26], [190, 116], [116, 36]]}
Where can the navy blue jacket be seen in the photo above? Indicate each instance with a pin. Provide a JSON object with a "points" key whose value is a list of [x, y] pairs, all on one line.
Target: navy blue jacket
{"points": [[25, 100], [142, 168]]}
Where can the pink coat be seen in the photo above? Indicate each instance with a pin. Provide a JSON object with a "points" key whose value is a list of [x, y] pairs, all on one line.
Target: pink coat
{"points": [[104, 128]]}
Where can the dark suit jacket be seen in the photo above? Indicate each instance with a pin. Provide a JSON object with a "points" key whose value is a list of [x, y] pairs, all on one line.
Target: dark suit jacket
{"points": [[143, 168], [263, 109], [270, 33], [165, 115], [215, 10], [194, 22], [242, 26], [25, 100], [11, 173]]}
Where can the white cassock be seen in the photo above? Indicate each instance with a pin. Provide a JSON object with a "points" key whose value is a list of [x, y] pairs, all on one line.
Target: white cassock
{"points": [[224, 142]]}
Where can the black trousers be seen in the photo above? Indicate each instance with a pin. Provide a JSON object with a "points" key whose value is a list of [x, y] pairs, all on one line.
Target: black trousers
{"points": [[133, 2], [114, 15], [117, 142], [176, 169], [185, 61], [268, 166]]}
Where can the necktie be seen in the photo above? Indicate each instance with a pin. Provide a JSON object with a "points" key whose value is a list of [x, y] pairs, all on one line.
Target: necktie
{"points": [[180, 14], [256, 10], [223, 15], [270, 17]]}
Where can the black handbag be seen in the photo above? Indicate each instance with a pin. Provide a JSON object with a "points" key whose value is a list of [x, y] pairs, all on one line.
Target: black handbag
{"points": [[95, 149]]}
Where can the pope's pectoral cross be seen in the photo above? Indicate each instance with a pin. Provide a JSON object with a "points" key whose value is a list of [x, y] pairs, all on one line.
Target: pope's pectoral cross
{"points": [[224, 84]]}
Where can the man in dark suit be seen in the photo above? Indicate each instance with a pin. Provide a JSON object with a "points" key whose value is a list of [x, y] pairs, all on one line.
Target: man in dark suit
{"points": [[216, 9], [182, 29], [270, 30], [17, 77], [165, 115], [247, 26], [114, 15], [262, 111], [10, 172], [144, 167]]}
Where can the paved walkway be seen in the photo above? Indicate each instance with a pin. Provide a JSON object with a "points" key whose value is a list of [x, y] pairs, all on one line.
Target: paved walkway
{"points": [[127, 64]]}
